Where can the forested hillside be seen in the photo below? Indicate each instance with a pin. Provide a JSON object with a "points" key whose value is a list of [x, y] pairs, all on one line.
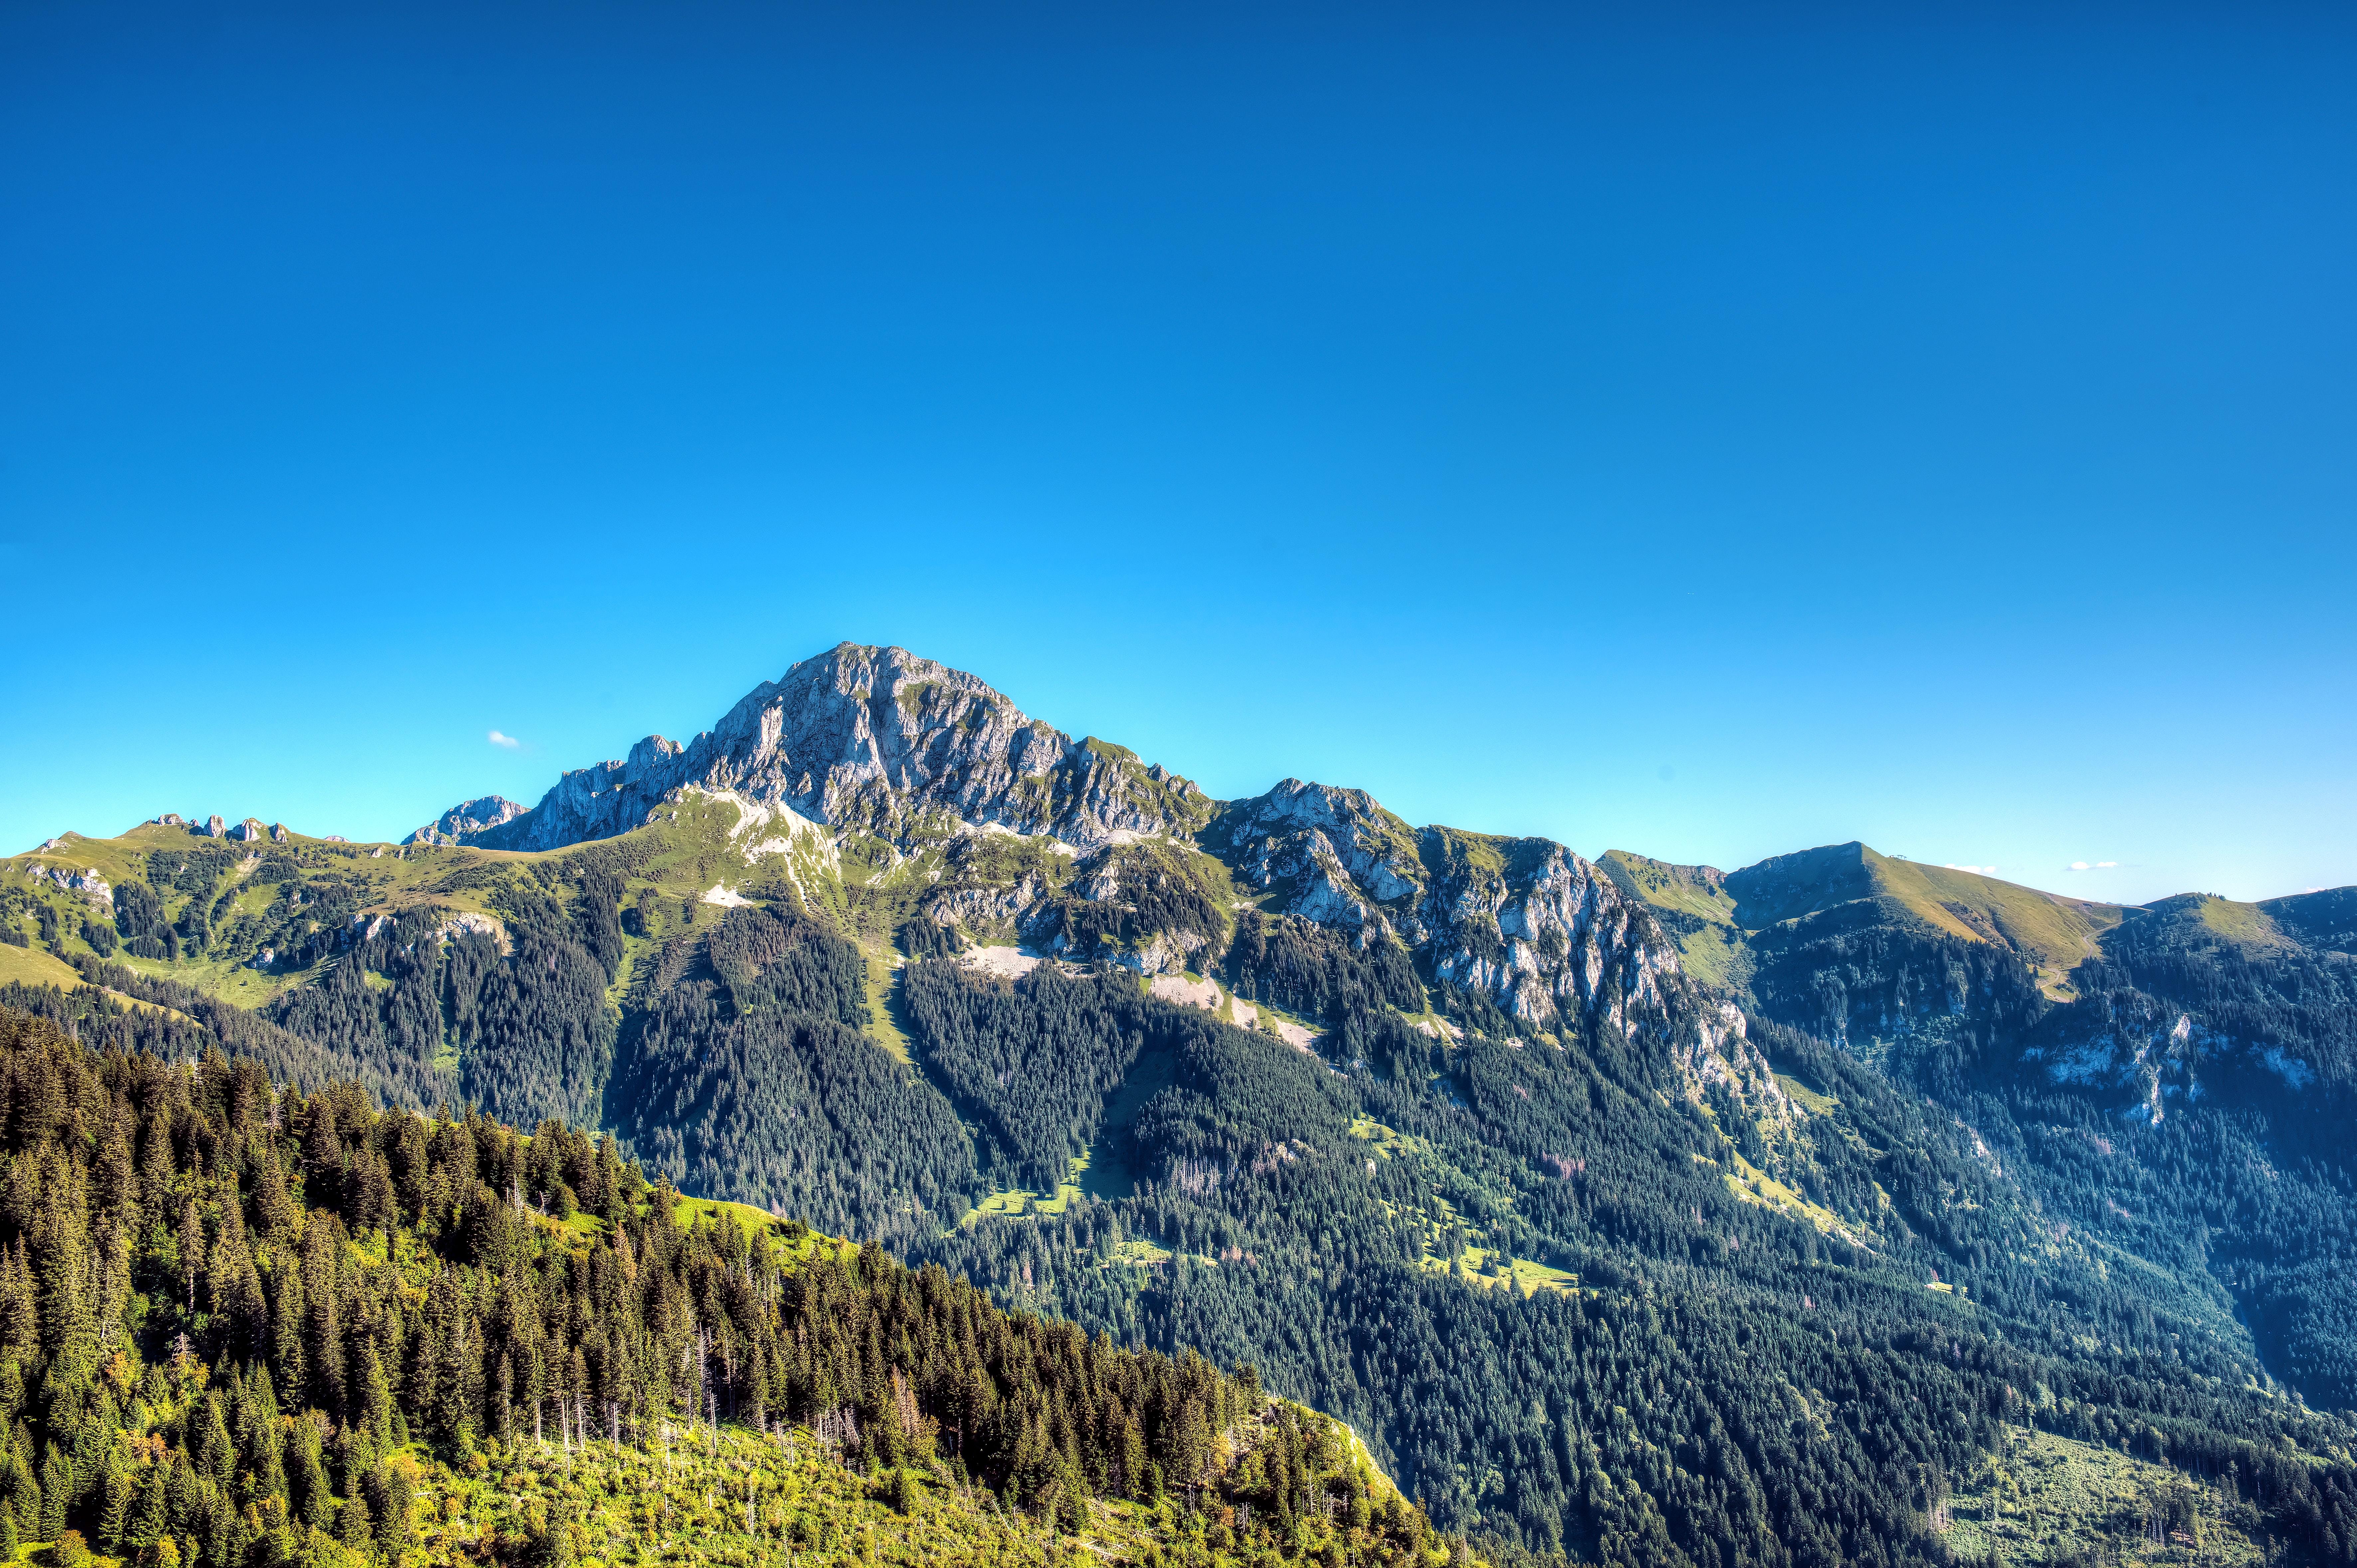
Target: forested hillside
{"points": [[1632, 1212], [246, 1326], [2183, 1095]]}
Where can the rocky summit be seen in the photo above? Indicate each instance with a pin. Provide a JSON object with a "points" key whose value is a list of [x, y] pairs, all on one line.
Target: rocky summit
{"points": [[869, 738]]}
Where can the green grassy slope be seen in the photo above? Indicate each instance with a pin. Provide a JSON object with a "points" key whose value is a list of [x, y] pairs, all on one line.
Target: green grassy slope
{"points": [[1693, 904], [1713, 914], [31, 966], [2042, 1499], [704, 849], [386, 877], [2054, 932], [1699, 891]]}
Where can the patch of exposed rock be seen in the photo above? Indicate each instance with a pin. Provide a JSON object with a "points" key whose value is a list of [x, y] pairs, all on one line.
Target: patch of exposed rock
{"points": [[88, 883], [1540, 930]]}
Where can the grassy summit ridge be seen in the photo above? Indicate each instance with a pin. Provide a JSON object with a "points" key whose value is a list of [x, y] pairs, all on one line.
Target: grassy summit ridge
{"points": [[1851, 884]]}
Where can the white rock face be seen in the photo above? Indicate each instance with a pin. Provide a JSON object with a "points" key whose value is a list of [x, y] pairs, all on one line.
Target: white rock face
{"points": [[464, 921], [1543, 933], [984, 908], [1341, 854], [2156, 1057], [88, 883], [1165, 952], [872, 739], [1537, 928], [1009, 964]]}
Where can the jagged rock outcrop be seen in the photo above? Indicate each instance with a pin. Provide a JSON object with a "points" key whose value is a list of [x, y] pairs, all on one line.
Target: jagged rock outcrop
{"points": [[88, 883], [1539, 929], [1337, 855], [468, 820], [878, 740]]}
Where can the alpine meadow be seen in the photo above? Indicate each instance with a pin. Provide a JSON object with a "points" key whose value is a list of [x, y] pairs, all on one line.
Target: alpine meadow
{"points": [[887, 1128]]}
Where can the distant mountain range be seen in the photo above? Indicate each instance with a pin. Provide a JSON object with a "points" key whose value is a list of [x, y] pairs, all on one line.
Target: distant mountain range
{"points": [[1639, 1212], [879, 742]]}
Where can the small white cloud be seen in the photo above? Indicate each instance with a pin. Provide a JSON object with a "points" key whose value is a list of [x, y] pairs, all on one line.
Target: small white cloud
{"points": [[496, 738], [2094, 866], [2081, 866], [2105, 864]]}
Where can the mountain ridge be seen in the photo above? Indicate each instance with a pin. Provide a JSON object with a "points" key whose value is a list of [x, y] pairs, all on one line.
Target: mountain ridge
{"points": [[876, 738], [1416, 1119], [868, 737]]}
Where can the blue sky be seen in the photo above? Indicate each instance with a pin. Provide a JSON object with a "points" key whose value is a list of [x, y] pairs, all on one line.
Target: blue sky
{"points": [[1706, 431]]}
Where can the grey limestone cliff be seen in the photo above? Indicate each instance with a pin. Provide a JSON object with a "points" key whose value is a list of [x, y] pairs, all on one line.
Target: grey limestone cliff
{"points": [[1537, 928]]}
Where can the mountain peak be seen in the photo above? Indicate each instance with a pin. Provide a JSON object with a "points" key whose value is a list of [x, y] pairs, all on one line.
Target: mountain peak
{"points": [[876, 740]]}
